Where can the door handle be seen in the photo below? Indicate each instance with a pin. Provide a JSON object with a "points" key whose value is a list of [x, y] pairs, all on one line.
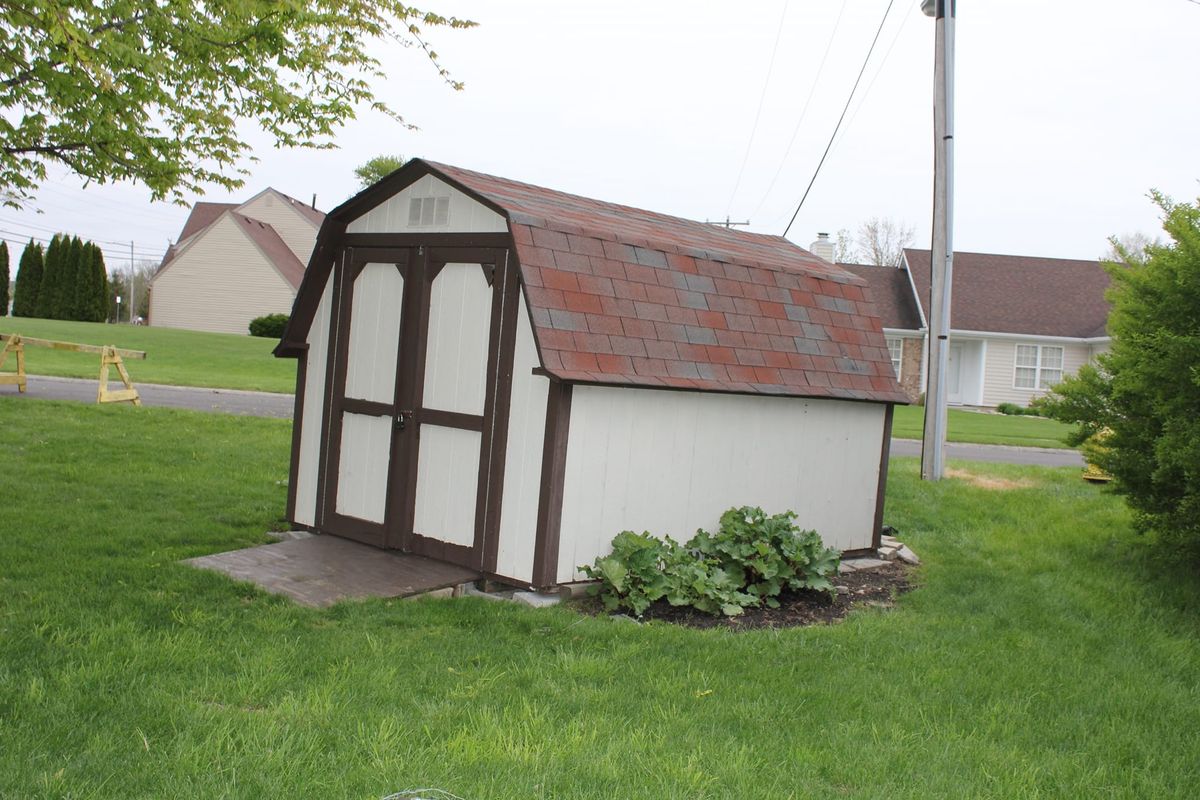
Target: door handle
{"points": [[401, 418]]}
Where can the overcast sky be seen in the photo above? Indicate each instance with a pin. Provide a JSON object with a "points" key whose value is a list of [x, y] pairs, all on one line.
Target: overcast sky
{"points": [[1067, 114]]}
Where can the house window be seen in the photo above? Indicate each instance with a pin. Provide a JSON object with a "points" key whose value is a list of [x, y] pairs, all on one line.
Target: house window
{"points": [[426, 211], [1038, 366], [895, 349]]}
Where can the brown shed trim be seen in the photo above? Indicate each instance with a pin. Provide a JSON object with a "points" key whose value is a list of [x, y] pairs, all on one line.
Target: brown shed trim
{"points": [[504, 337], [554, 463], [881, 491], [297, 424]]}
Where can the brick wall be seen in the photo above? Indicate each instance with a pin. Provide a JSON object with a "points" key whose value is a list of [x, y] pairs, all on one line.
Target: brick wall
{"points": [[910, 367]]}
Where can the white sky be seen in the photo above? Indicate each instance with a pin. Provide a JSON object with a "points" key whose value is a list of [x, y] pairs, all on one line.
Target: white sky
{"points": [[1068, 112]]}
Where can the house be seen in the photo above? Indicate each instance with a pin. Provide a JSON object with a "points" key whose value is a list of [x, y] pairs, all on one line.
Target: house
{"points": [[1018, 323], [505, 377], [234, 262]]}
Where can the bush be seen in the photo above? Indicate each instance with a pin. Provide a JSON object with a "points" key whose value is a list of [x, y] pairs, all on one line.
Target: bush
{"points": [[269, 327], [1146, 390], [1012, 409], [749, 561]]}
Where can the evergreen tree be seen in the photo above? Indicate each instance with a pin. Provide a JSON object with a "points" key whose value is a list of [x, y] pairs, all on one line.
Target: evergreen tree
{"points": [[29, 281], [99, 285], [77, 295], [3, 279], [47, 296]]}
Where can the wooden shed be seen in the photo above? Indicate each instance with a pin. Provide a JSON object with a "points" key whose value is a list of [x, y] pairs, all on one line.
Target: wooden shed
{"points": [[505, 377]]}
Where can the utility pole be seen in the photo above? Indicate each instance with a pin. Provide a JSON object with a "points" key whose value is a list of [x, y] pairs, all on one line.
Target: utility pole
{"points": [[726, 224], [132, 287], [942, 255]]}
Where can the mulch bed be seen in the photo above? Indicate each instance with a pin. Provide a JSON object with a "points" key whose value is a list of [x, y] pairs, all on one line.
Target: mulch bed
{"points": [[878, 587]]}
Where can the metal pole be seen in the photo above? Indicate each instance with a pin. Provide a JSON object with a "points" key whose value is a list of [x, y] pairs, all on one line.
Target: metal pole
{"points": [[132, 286], [942, 254]]}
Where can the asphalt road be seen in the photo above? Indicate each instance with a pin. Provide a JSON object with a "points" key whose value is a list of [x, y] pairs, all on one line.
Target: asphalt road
{"points": [[267, 404], [225, 401]]}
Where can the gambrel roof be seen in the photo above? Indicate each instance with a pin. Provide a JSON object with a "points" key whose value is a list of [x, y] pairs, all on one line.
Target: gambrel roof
{"points": [[627, 297]]}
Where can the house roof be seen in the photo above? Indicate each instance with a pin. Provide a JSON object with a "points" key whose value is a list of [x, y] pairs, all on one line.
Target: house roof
{"points": [[1021, 294], [203, 214], [273, 247], [892, 293], [623, 296], [262, 235]]}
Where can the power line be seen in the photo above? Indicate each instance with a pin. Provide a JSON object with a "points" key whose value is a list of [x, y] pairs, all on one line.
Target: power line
{"points": [[758, 114], [124, 245], [18, 239], [879, 71], [804, 110], [837, 127]]}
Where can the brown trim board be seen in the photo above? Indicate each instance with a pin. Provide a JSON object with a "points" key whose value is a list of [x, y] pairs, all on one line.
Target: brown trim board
{"points": [[881, 491], [511, 287], [297, 424], [323, 459], [554, 462]]}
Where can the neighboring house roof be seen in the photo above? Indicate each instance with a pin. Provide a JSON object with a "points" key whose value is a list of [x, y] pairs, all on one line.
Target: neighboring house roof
{"points": [[1021, 294], [263, 236], [623, 296], [892, 293], [309, 213], [203, 214], [274, 248]]}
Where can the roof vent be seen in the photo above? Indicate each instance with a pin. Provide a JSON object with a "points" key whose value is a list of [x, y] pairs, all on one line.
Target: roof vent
{"points": [[424, 212], [822, 248]]}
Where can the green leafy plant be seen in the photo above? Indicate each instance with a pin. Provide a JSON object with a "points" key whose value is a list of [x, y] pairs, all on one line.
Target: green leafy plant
{"points": [[269, 326], [1012, 409], [631, 576], [748, 561]]}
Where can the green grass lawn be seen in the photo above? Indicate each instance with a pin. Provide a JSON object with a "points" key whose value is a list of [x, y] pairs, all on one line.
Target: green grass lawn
{"points": [[1043, 655], [972, 426], [184, 358]]}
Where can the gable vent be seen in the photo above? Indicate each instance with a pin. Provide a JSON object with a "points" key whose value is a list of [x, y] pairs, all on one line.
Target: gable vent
{"points": [[426, 211]]}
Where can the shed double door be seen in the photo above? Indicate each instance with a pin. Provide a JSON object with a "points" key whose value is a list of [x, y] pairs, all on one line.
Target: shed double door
{"points": [[410, 454]]}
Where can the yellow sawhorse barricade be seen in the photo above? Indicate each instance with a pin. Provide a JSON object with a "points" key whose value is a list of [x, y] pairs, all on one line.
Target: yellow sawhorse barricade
{"points": [[109, 357]]}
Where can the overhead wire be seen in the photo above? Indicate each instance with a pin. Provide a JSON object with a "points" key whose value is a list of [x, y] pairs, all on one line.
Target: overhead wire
{"points": [[804, 109], [846, 108], [41, 228], [758, 114], [878, 71]]}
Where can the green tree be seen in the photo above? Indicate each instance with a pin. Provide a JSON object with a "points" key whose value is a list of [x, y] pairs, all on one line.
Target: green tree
{"points": [[4, 279], [48, 291], [29, 281], [378, 168], [75, 281], [161, 93], [1145, 391], [99, 286]]}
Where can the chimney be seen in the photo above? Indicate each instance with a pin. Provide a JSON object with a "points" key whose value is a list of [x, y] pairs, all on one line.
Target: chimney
{"points": [[822, 248]]}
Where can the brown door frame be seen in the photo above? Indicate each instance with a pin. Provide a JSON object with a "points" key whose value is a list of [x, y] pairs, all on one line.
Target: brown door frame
{"points": [[422, 264], [349, 268]]}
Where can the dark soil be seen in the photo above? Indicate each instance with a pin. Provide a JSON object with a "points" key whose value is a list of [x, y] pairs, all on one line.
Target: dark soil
{"points": [[878, 587]]}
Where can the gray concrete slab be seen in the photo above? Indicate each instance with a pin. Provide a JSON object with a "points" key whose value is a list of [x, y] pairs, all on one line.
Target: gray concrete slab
{"points": [[322, 570]]}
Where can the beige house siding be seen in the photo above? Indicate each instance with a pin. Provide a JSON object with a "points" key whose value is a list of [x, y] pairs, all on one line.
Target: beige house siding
{"points": [[218, 283], [296, 231], [1000, 357]]}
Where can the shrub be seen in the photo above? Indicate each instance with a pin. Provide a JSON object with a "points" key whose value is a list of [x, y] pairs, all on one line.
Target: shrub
{"points": [[748, 561], [1012, 409], [270, 326], [1146, 389]]}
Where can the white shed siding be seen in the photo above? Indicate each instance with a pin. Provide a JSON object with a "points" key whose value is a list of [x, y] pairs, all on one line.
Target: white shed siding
{"points": [[365, 459], [308, 463], [999, 369], [375, 317], [460, 316], [218, 283], [466, 215], [523, 457], [297, 231], [447, 483], [671, 462]]}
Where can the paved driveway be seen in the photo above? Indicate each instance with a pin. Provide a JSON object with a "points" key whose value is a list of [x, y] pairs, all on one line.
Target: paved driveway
{"points": [[267, 404]]}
